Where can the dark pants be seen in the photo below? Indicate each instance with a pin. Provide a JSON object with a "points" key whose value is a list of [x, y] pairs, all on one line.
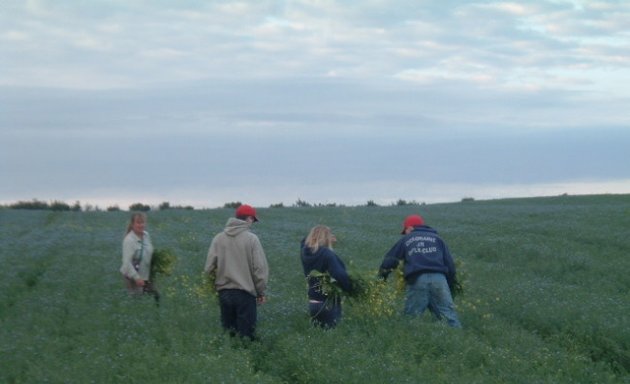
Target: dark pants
{"points": [[325, 314], [238, 312]]}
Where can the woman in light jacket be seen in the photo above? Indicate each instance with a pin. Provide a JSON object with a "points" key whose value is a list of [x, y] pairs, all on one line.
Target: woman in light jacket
{"points": [[137, 252]]}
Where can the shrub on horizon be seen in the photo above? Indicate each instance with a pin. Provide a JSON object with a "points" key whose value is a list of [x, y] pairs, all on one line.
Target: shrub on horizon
{"points": [[59, 206], [301, 203], [139, 207], [76, 207]]}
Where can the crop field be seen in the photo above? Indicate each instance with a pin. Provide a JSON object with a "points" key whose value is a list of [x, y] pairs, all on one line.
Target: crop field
{"points": [[546, 299]]}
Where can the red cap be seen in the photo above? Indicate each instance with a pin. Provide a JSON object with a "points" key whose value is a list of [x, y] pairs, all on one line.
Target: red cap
{"points": [[246, 210], [412, 221]]}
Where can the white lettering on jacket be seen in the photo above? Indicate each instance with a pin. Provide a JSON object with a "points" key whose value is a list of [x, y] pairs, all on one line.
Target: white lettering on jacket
{"points": [[420, 239], [420, 246]]}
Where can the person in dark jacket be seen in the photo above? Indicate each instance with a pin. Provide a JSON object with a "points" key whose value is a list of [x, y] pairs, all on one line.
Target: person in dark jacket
{"points": [[429, 270], [317, 255]]}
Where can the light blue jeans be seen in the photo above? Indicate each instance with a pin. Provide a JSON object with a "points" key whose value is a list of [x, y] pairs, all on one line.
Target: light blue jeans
{"points": [[430, 290]]}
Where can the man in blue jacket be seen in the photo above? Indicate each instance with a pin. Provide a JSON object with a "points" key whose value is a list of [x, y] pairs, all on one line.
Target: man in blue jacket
{"points": [[429, 270]]}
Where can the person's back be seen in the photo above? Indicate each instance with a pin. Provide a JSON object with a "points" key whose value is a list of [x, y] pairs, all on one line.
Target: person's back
{"points": [[429, 270], [317, 255], [326, 261], [425, 251], [239, 264]]}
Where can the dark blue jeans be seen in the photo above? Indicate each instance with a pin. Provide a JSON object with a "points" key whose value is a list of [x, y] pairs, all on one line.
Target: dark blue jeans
{"points": [[238, 312], [325, 314]]}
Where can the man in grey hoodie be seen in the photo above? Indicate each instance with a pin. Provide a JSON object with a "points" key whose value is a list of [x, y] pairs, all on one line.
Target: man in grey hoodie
{"points": [[239, 264]]}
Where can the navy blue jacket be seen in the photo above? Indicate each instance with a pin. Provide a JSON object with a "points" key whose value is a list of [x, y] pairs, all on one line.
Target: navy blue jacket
{"points": [[422, 250], [324, 260]]}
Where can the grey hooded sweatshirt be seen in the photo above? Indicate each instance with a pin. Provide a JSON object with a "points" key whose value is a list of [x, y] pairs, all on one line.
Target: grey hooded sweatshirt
{"points": [[238, 259]]}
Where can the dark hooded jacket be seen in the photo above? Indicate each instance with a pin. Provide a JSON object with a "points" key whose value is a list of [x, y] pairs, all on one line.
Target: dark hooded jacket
{"points": [[323, 260], [422, 251]]}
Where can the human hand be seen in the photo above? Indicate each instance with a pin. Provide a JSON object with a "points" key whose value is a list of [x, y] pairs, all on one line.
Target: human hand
{"points": [[262, 299], [140, 282]]}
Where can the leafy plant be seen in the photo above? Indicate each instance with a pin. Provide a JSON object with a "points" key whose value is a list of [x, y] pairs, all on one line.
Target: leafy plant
{"points": [[326, 284], [162, 262]]}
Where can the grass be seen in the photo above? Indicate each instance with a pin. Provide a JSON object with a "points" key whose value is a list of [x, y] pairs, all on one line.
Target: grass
{"points": [[546, 299]]}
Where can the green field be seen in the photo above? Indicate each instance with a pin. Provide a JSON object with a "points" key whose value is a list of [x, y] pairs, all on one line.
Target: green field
{"points": [[546, 299]]}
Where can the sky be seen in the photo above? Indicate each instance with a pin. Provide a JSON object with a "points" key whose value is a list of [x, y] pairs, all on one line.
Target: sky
{"points": [[207, 102]]}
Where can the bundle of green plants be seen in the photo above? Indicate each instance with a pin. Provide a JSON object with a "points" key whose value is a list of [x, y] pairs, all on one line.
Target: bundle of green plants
{"points": [[457, 286], [326, 284], [207, 287], [361, 287], [162, 262], [368, 295]]}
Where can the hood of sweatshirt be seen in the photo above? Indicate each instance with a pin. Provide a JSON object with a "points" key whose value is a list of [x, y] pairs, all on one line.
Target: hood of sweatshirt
{"points": [[312, 260], [317, 260], [423, 228], [235, 226]]}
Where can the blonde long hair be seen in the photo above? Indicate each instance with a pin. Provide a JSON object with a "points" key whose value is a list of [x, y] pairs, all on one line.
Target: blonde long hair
{"points": [[319, 236], [134, 216]]}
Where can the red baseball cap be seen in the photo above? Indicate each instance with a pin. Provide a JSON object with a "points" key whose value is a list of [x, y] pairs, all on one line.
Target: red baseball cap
{"points": [[412, 221], [246, 210]]}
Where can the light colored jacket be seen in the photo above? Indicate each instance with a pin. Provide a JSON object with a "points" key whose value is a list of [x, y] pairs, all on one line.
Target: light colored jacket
{"points": [[136, 251], [238, 259]]}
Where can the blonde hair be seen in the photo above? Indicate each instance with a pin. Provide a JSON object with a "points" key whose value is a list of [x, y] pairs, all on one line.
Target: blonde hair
{"points": [[319, 236], [135, 216]]}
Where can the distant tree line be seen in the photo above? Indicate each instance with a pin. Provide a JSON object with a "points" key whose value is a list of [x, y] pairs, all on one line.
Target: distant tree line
{"points": [[42, 205], [141, 207], [56, 205], [166, 205]]}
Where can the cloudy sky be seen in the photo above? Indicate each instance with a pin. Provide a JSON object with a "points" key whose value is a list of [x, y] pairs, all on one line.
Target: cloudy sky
{"points": [[206, 102]]}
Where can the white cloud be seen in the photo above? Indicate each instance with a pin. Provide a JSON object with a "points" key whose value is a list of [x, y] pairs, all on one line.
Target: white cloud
{"points": [[482, 42], [509, 8], [15, 36], [37, 8]]}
